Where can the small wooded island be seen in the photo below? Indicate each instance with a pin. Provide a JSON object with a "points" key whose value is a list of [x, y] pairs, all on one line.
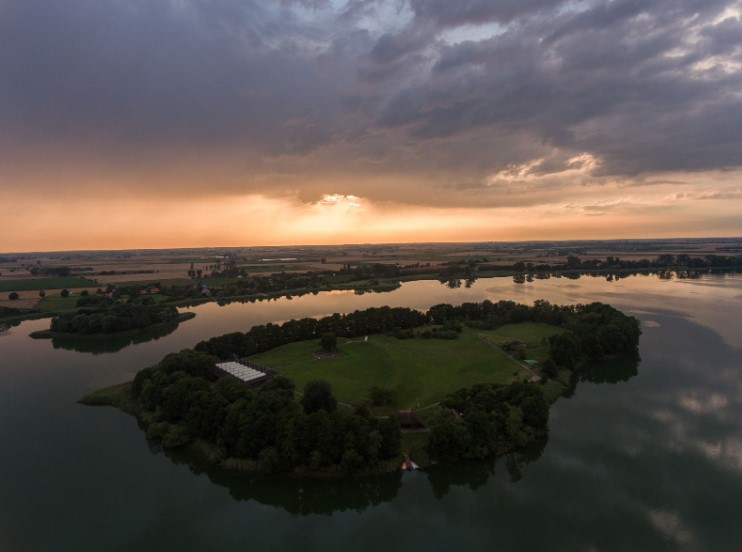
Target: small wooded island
{"points": [[479, 379], [112, 319]]}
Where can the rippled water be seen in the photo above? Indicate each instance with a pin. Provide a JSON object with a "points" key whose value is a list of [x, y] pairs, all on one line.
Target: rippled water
{"points": [[652, 462]]}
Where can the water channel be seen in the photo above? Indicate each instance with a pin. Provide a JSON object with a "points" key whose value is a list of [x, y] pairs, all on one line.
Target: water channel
{"points": [[645, 460]]}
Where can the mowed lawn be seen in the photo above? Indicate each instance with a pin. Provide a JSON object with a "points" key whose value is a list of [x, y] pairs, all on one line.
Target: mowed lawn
{"points": [[533, 334], [418, 371]]}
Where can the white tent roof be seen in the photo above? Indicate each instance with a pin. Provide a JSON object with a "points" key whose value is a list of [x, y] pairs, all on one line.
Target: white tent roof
{"points": [[240, 371]]}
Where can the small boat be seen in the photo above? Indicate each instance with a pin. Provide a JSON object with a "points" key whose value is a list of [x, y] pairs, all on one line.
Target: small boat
{"points": [[414, 466]]}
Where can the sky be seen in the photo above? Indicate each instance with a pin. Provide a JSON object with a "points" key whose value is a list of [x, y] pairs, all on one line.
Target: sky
{"points": [[191, 123]]}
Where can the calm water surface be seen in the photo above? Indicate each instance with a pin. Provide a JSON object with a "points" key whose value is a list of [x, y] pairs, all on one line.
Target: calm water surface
{"points": [[652, 462]]}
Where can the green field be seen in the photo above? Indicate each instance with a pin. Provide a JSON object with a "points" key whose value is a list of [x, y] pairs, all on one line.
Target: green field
{"points": [[28, 284], [55, 303], [419, 371], [532, 334]]}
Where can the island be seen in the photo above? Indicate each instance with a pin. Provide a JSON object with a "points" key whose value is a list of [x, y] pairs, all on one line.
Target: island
{"points": [[113, 319], [358, 392]]}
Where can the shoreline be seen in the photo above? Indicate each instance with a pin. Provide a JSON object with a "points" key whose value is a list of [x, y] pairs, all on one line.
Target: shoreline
{"points": [[391, 284], [119, 396]]}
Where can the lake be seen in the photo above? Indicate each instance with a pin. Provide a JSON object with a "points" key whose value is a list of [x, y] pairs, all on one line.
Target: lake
{"points": [[648, 459]]}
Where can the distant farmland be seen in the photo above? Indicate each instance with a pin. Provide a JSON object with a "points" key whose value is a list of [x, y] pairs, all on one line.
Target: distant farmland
{"points": [[30, 284]]}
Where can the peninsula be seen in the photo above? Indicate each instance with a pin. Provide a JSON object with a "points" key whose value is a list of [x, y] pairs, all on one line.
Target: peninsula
{"points": [[475, 380]]}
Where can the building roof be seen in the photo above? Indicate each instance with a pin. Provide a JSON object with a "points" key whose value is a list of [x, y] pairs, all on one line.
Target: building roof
{"points": [[240, 371], [409, 420]]}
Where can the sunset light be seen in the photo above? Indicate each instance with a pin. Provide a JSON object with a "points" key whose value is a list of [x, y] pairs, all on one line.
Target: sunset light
{"points": [[334, 122], [371, 275]]}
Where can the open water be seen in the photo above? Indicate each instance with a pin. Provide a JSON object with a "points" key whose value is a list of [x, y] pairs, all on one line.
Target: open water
{"points": [[645, 457]]}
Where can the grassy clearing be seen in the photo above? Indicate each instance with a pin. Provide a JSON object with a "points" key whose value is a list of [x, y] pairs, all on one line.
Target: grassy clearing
{"points": [[56, 303], [418, 371], [117, 395], [70, 282], [533, 334]]}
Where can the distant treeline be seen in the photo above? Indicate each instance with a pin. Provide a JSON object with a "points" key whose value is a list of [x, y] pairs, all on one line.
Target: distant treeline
{"points": [[611, 263], [264, 337], [117, 318], [212, 284], [120, 272], [248, 285], [267, 429], [50, 271], [10, 311], [367, 271], [254, 284]]}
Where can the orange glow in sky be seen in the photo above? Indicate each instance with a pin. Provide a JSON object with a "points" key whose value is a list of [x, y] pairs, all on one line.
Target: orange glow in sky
{"points": [[145, 124], [254, 219]]}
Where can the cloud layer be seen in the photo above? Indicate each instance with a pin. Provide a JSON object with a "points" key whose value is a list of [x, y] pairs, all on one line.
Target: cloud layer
{"points": [[431, 103]]}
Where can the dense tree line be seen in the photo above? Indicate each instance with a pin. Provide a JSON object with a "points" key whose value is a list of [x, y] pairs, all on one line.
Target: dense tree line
{"points": [[573, 262], [374, 270], [299, 282], [9, 311], [250, 285], [96, 300], [60, 271], [595, 330], [118, 318], [488, 420], [264, 337], [266, 426], [452, 274]]}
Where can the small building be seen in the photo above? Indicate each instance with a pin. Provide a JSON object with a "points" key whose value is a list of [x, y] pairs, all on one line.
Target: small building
{"points": [[409, 421]]}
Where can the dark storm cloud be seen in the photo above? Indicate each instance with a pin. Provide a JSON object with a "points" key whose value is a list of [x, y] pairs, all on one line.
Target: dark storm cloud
{"points": [[157, 73], [446, 13], [643, 86], [635, 83]]}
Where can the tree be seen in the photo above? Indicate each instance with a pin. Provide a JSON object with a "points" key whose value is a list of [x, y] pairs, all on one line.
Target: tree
{"points": [[448, 435], [381, 396], [318, 396], [65, 293], [564, 349], [329, 342], [549, 368], [13, 296], [42, 293]]}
